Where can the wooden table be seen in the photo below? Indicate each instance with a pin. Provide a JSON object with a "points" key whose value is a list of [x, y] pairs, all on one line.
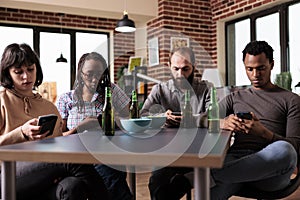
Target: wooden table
{"points": [[170, 147]]}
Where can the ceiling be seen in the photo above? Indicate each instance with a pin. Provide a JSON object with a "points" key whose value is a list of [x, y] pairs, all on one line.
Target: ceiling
{"points": [[140, 11]]}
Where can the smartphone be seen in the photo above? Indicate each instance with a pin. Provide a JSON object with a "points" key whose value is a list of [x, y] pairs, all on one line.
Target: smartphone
{"points": [[244, 115], [48, 123], [176, 113]]}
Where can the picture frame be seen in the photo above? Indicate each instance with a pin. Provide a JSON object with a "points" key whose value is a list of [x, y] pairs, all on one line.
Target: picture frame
{"points": [[153, 51], [133, 62], [177, 42]]}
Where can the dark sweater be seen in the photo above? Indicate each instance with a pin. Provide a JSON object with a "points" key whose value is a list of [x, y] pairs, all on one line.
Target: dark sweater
{"points": [[277, 109]]}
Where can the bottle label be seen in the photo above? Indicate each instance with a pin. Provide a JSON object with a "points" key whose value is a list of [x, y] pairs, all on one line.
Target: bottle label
{"points": [[134, 108], [108, 93]]}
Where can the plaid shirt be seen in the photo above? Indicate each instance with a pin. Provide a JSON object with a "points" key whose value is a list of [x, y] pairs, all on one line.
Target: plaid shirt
{"points": [[67, 106]]}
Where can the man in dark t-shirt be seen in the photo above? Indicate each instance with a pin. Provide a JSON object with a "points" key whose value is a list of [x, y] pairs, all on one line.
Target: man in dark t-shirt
{"points": [[266, 147]]}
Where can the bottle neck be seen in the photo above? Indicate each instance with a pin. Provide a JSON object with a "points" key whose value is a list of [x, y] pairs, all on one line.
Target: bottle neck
{"points": [[213, 95], [187, 96], [134, 97], [107, 92], [105, 79]]}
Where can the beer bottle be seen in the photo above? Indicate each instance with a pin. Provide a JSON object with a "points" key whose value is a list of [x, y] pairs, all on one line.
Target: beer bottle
{"points": [[187, 112], [213, 113], [134, 107], [108, 122], [104, 80]]}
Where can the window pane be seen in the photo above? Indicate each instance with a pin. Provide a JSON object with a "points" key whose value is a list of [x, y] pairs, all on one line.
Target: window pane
{"points": [[242, 38], [267, 28], [294, 32], [51, 46], [88, 42], [10, 35]]}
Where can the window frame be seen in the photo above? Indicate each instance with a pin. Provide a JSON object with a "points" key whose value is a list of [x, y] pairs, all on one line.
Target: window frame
{"points": [[36, 41], [282, 9]]}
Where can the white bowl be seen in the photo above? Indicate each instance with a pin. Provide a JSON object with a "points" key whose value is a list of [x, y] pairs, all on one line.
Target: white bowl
{"points": [[138, 125], [157, 121]]}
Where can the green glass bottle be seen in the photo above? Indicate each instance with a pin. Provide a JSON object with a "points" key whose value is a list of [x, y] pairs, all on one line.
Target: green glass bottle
{"points": [[187, 112], [213, 113], [105, 79], [108, 121], [134, 107]]}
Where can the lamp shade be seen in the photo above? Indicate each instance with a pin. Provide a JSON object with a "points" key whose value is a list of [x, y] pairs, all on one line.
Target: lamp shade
{"points": [[213, 76], [125, 25], [61, 59]]}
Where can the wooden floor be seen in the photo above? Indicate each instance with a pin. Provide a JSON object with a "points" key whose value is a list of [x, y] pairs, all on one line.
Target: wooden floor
{"points": [[142, 192]]}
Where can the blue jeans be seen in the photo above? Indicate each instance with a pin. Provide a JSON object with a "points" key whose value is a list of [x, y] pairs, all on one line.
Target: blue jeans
{"points": [[268, 169], [115, 181]]}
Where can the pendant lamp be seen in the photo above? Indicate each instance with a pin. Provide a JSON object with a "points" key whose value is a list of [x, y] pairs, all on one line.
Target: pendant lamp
{"points": [[125, 25], [61, 58]]}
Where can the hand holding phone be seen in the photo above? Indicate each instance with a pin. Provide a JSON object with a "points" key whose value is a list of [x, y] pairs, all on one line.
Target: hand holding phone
{"points": [[244, 115], [47, 123], [177, 116]]}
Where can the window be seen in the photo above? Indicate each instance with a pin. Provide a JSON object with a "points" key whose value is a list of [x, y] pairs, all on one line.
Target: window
{"points": [[294, 32], [240, 36], [85, 43], [52, 45], [10, 35], [49, 43], [267, 28], [279, 27]]}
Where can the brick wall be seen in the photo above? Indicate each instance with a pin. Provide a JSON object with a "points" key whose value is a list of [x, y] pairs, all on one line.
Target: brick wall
{"points": [[195, 19], [225, 8], [187, 19], [123, 42]]}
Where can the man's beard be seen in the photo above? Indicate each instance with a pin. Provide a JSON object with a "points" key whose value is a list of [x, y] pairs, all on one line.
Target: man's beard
{"points": [[183, 83]]}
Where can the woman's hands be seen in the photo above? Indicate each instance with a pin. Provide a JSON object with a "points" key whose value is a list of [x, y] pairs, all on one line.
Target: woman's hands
{"points": [[89, 123], [31, 130]]}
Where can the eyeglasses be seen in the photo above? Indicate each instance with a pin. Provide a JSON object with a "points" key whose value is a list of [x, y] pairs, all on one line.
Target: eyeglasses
{"points": [[91, 76]]}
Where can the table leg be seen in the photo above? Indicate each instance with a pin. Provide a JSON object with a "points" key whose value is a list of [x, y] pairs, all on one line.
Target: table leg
{"points": [[8, 180], [132, 181], [201, 183]]}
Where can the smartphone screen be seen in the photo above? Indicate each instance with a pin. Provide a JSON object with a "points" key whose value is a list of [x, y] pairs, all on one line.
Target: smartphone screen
{"points": [[244, 115], [176, 113], [48, 123]]}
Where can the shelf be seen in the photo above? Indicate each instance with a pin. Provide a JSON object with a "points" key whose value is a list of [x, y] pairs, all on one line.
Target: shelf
{"points": [[132, 83]]}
